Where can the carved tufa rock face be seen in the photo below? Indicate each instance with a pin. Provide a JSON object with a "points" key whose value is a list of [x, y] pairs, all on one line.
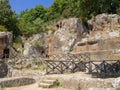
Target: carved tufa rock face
{"points": [[70, 34], [6, 39], [100, 22], [5, 44], [35, 46], [65, 37]]}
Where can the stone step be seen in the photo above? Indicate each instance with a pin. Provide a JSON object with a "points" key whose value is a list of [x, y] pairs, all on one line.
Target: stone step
{"points": [[45, 85], [51, 78], [49, 81]]}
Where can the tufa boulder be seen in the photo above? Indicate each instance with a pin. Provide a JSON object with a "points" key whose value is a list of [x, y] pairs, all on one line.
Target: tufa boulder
{"points": [[68, 32]]}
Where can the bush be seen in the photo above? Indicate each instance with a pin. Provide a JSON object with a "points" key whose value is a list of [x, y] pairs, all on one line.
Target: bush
{"points": [[3, 29], [38, 43], [78, 88], [56, 84]]}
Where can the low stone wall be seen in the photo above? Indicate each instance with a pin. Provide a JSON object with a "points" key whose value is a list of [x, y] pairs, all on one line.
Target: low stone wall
{"points": [[85, 83], [14, 82]]}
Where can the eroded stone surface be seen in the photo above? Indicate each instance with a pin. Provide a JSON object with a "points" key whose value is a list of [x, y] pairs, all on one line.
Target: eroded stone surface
{"points": [[16, 81]]}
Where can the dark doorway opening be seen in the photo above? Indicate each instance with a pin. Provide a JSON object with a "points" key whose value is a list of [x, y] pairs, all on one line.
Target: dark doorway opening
{"points": [[6, 52]]}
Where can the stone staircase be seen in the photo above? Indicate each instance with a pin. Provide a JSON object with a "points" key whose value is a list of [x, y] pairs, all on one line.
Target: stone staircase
{"points": [[48, 82]]}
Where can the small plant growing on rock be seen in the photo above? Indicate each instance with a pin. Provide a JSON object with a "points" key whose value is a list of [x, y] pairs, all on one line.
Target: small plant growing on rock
{"points": [[56, 84], [78, 88], [117, 89], [71, 49], [38, 43], [1, 87]]}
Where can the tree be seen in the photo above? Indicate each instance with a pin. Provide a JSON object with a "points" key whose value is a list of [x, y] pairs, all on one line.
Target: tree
{"points": [[2, 28], [32, 20], [5, 12], [85, 9], [33, 27], [38, 17], [8, 18]]}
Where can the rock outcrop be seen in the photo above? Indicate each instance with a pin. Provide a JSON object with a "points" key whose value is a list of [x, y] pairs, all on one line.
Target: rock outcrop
{"points": [[34, 46], [109, 22], [33, 51], [67, 33], [5, 43], [104, 34]]}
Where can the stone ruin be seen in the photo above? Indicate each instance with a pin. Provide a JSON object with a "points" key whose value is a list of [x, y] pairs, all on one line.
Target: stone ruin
{"points": [[5, 46]]}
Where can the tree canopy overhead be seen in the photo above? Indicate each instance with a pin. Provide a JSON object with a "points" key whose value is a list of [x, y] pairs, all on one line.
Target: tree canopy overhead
{"points": [[35, 20]]}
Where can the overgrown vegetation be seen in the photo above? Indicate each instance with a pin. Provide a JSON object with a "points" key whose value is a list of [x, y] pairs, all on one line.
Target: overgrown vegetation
{"points": [[116, 89], [56, 83], [71, 49], [38, 43], [78, 88], [2, 28], [36, 20]]}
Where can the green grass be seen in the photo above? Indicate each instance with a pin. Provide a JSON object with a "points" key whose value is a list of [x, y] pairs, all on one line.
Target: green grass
{"points": [[71, 49], [56, 84], [78, 88]]}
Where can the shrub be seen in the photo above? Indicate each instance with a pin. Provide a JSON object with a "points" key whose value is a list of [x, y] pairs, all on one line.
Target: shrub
{"points": [[56, 84], [2, 28]]}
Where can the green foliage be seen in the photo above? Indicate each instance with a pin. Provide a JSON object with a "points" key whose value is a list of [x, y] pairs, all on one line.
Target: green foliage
{"points": [[2, 28], [83, 9], [32, 14], [56, 83], [118, 10], [71, 49], [38, 43], [33, 27], [117, 89], [78, 88], [51, 29], [18, 39], [35, 20], [17, 43], [8, 18]]}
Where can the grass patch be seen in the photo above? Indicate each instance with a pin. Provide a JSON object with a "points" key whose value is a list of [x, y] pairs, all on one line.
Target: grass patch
{"points": [[56, 84], [71, 49], [38, 43], [78, 88]]}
